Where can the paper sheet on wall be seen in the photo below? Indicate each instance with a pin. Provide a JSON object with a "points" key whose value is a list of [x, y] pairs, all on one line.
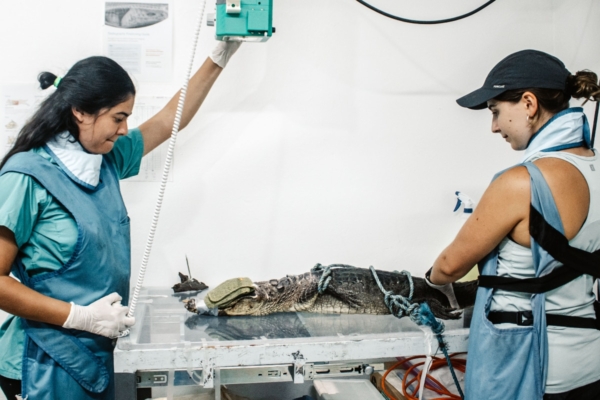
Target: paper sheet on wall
{"points": [[139, 37], [153, 163], [19, 102]]}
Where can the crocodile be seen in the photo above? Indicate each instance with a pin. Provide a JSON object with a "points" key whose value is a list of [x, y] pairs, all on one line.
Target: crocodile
{"points": [[351, 290]]}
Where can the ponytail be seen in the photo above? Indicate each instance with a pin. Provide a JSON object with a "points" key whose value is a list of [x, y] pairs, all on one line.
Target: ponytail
{"points": [[584, 84]]}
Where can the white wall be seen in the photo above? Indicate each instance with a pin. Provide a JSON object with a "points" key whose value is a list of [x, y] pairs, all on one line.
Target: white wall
{"points": [[337, 141]]}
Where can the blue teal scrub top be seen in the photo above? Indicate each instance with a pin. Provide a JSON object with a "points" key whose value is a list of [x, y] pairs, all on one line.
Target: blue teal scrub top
{"points": [[46, 233]]}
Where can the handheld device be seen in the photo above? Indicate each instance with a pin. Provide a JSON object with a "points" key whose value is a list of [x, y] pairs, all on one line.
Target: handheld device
{"points": [[243, 20]]}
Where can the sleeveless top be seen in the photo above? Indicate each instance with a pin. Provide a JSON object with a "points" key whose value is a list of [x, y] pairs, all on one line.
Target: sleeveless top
{"points": [[567, 346]]}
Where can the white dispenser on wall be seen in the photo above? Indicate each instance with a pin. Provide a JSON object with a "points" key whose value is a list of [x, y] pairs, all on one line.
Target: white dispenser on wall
{"points": [[463, 209]]}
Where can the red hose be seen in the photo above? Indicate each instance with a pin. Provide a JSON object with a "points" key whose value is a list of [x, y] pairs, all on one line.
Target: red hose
{"points": [[457, 363]]}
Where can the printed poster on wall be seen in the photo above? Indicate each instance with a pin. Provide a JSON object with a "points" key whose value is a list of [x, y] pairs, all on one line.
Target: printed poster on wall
{"points": [[19, 102], [139, 36]]}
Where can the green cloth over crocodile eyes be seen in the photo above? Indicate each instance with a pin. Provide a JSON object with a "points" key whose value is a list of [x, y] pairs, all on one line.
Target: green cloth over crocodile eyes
{"points": [[228, 291]]}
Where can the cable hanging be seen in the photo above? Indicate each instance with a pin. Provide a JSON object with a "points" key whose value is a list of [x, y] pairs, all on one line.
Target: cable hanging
{"points": [[595, 122], [432, 22], [165, 174]]}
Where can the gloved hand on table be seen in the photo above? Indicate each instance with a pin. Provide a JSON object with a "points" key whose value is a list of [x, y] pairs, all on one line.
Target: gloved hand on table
{"points": [[106, 317], [447, 290], [223, 52]]}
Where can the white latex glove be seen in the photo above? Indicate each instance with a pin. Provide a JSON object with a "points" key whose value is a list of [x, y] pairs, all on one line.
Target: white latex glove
{"points": [[106, 317], [446, 289], [223, 52]]}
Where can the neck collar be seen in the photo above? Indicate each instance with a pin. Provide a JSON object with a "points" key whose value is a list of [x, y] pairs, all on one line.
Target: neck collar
{"points": [[565, 130], [81, 166]]}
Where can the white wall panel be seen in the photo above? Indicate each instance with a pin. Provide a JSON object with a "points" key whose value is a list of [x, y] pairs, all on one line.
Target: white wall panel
{"points": [[337, 141]]}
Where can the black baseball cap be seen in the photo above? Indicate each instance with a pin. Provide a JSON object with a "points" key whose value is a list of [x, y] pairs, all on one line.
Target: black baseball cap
{"points": [[521, 70]]}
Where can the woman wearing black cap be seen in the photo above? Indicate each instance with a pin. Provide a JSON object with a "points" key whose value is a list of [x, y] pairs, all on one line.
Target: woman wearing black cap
{"points": [[536, 237]]}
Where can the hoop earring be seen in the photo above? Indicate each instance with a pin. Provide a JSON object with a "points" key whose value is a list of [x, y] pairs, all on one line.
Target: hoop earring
{"points": [[528, 119]]}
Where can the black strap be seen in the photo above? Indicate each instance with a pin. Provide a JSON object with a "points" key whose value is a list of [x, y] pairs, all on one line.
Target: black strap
{"points": [[557, 245], [525, 318], [543, 284], [521, 318], [576, 262]]}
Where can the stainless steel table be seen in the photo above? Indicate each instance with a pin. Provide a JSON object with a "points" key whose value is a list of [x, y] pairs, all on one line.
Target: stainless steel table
{"points": [[171, 346]]}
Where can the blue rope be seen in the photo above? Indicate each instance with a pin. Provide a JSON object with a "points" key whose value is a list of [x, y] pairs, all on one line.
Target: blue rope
{"points": [[325, 277], [420, 314]]}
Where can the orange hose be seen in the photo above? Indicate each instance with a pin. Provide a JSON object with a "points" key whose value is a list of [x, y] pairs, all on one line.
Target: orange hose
{"points": [[393, 367], [436, 364], [457, 363]]}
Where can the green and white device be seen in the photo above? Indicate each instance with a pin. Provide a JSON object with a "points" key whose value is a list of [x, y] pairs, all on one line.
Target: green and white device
{"points": [[243, 20]]}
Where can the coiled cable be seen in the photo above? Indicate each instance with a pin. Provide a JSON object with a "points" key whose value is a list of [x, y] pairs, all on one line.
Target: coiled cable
{"points": [[165, 174]]}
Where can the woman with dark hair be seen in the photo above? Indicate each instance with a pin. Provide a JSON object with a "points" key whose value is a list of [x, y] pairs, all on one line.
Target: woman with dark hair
{"points": [[64, 230], [535, 236]]}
